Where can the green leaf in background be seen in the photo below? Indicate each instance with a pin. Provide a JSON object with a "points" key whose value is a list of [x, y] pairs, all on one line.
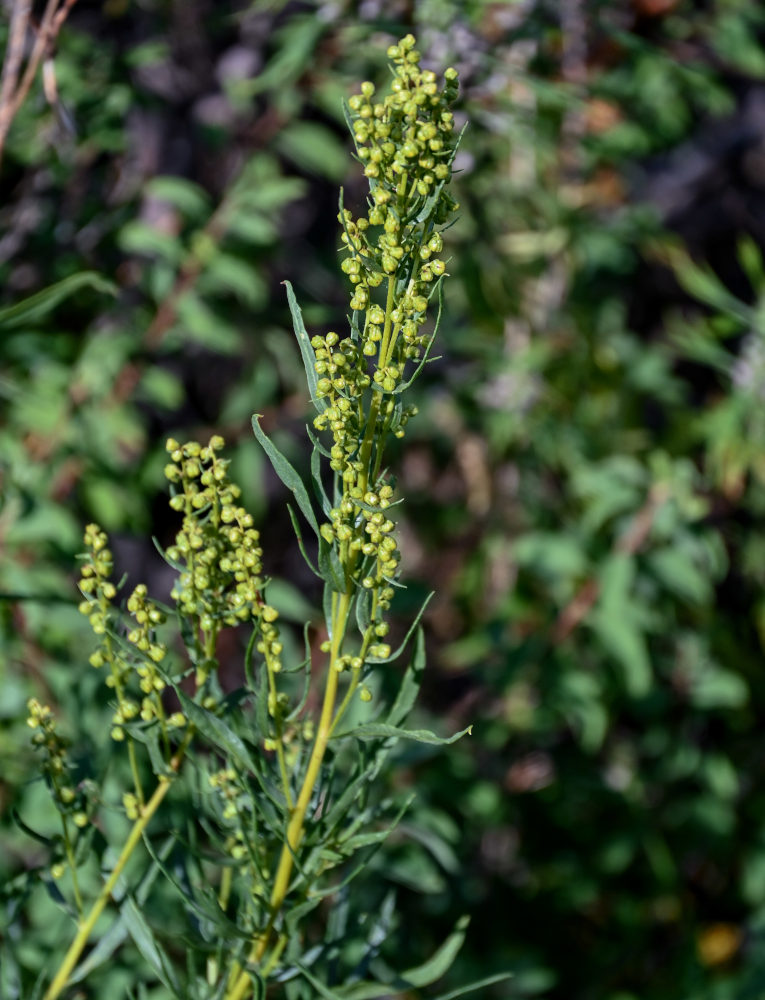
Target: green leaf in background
{"points": [[230, 274], [615, 622], [198, 322], [189, 198], [314, 147], [480, 984], [140, 238], [39, 305]]}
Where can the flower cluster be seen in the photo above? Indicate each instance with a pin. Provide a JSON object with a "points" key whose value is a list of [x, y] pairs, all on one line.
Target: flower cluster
{"points": [[226, 784], [406, 143], [99, 592], [147, 617], [96, 586], [269, 643], [69, 800], [219, 583]]}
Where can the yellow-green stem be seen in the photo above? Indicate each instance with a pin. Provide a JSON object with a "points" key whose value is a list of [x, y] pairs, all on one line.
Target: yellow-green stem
{"points": [[86, 927], [72, 866], [278, 729], [241, 982]]}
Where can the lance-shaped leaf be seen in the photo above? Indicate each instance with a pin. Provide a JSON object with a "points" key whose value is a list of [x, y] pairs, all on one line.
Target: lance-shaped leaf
{"points": [[150, 949], [37, 306], [286, 472], [383, 731], [306, 351], [416, 978]]}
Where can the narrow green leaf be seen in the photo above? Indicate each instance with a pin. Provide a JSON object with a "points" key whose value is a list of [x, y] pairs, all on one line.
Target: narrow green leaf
{"points": [[400, 649], [39, 837], [322, 990], [117, 933], [10, 974], [421, 975], [461, 991], [151, 951], [318, 486], [185, 195], [315, 148], [217, 732], [426, 354], [441, 961], [286, 472], [306, 351], [41, 303], [330, 567], [301, 545], [410, 685], [382, 731]]}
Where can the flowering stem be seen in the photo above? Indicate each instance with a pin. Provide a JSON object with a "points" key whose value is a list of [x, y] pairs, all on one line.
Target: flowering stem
{"points": [[242, 982], [86, 927]]}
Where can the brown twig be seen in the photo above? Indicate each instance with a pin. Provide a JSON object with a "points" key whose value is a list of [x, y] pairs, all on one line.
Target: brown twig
{"points": [[15, 86]]}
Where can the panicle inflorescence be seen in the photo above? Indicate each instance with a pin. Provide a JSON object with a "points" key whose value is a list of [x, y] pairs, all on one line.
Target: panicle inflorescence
{"points": [[218, 547], [99, 592], [406, 143], [70, 800], [147, 617]]}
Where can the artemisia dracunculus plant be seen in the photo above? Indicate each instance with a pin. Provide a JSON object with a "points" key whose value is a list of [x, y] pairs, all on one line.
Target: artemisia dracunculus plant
{"points": [[278, 808]]}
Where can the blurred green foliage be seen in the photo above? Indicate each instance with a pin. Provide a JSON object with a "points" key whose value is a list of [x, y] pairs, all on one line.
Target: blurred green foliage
{"points": [[588, 473]]}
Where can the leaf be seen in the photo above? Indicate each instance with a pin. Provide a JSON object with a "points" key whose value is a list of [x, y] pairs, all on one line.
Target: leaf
{"points": [[318, 487], [461, 991], [141, 238], [718, 688], [321, 989], [426, 354], [217, 732], [306, 351], [400, 649], [208, 328], [117, 933], [162, 387], [150, 950], [183, 194], [315, 148], [252, 227], [47, 841], [299, 535], [286, 472], [382, 731], [330, 567], [410, 685], [227, 273], [421, 975], [41, 303]]}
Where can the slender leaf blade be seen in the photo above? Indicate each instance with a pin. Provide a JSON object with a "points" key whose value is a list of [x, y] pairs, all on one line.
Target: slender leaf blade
{"points": [[286, 472], [306, 351]]}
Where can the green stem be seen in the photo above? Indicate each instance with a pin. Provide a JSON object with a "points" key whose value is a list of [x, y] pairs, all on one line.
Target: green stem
{"points": [[241, 982], [72, 866], [86, 927], [356, 673], [278, 729]]}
